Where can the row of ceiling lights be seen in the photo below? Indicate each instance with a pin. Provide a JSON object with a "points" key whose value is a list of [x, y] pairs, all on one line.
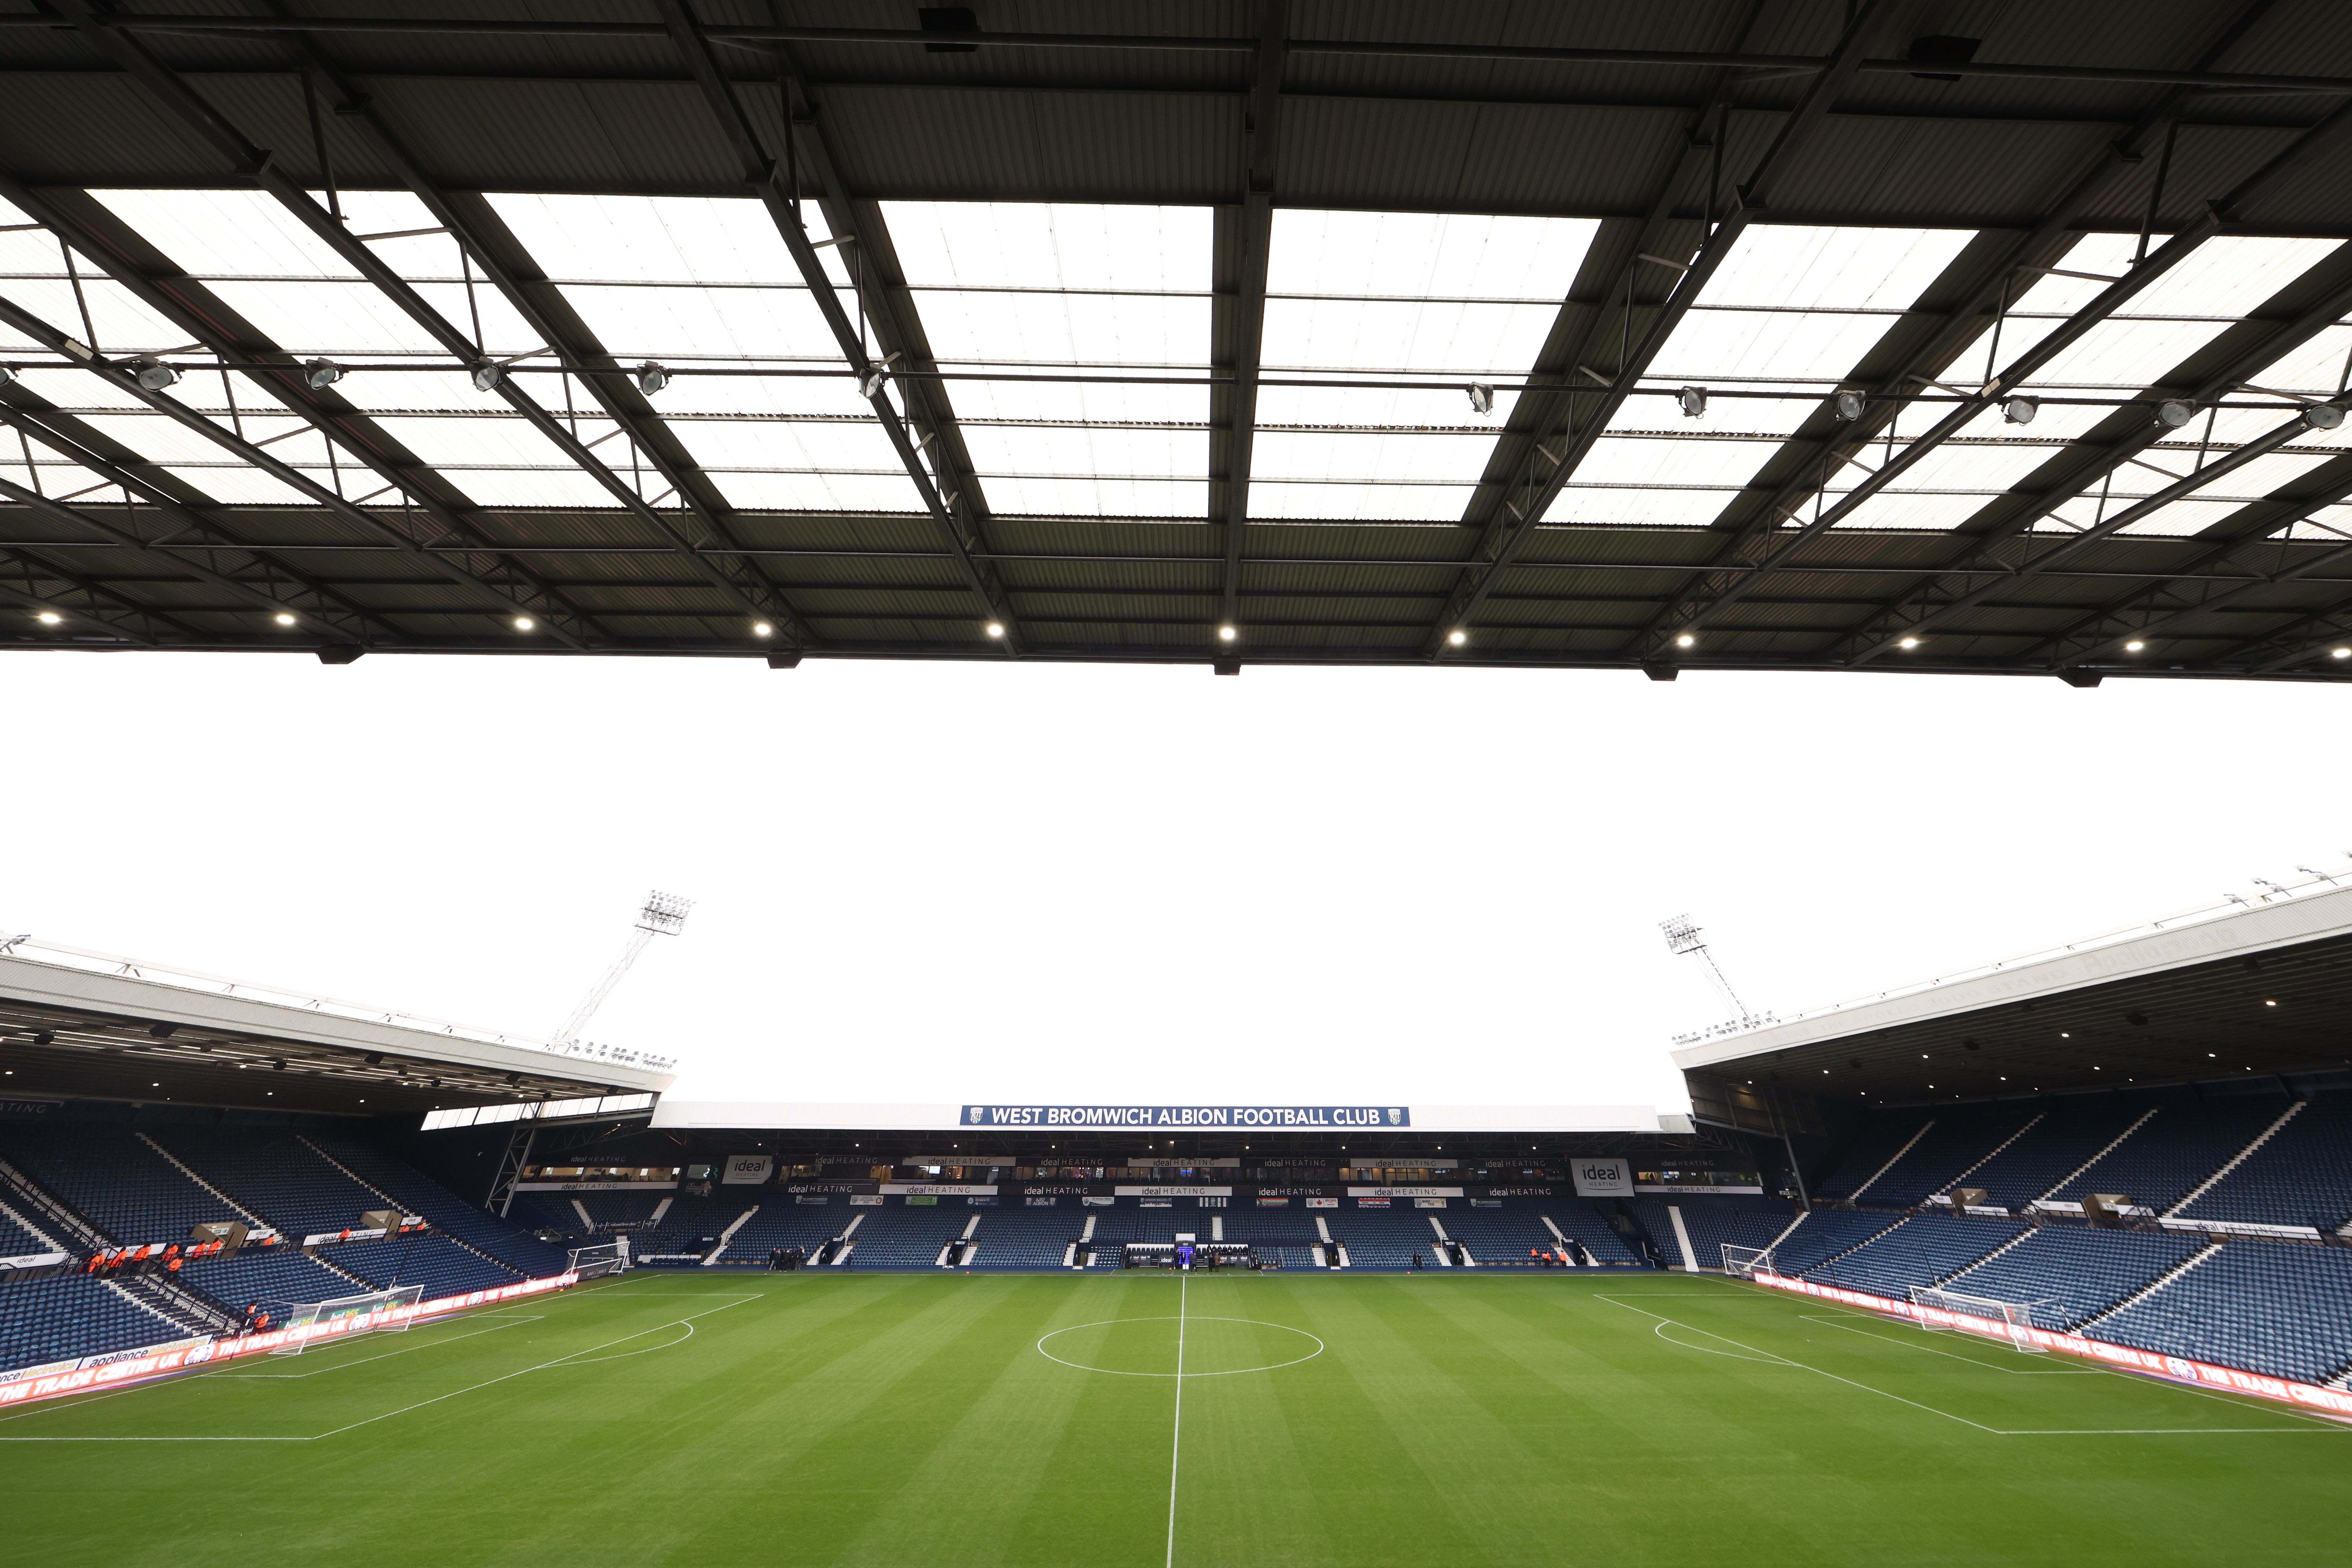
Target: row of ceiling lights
{"points": [[1687, 640]]}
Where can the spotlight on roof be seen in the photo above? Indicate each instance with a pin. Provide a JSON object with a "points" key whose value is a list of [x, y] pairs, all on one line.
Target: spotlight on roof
{"points": [[6, 375], [488, 375], [1908, 642], [2322, 415], [1226, 633], [2340, 652], [2172, 414], [1685, 641], [283, 619], [2134, 646], [321, 374], [1692, 400], [156, 376], [761, 629], [870, 384], [524, 623], [1482, 398], [996, 628], [651, 378], [1847, 407], [2020, 410], [1457, 637], [49, 618]]}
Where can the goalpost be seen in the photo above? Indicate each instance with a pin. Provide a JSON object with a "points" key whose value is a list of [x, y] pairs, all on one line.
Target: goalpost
{"points": [[604, 1258], [1746, 1262], [341, 1317], [2012, 1318]]}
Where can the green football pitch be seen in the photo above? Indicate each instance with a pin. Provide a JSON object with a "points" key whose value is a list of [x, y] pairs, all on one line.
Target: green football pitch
{"points": [[935, 1421]]}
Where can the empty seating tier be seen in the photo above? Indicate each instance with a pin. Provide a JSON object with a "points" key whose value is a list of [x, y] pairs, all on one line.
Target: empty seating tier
{"points": [[2080, 1271], [2302, 1174], [1925, 1250], [2278, 1307], [2183, 1143], [115, 1180]]}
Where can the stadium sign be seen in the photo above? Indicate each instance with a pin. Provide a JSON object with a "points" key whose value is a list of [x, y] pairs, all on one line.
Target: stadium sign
{"points": [[1404, 1192], [940, 1188], [1262, 1118], [1603, 1178], [747, 1170], [1173, 1191]]}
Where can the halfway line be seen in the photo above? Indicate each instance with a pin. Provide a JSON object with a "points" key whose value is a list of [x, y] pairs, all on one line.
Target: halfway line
{"points": [[1176, 1449]]}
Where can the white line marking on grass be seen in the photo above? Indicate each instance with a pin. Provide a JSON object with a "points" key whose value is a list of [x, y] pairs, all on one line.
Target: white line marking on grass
{"points": [[1665, 1323], [1176, 1442], [1837, 1323], [387, 1355], [1991, 1431], [573, 1359], [1230, 1371]]}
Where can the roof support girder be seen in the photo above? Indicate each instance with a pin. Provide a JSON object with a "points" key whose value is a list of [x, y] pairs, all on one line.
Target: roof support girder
{"points": [[257, 166], [269, 463], [957, 526], [1261, 155], [1481, 577]]}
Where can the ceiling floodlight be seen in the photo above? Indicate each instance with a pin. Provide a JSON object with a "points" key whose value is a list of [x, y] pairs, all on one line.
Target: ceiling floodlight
{"points": [[487, 374], [2020, 410], [156, 376], [2340, 652], [6, 375], [651, 378], [283, 619], [1847, 407], [1685, 641], [1482, 398], [763, 629], [2134, 646], [321, 374], [49, 618], [2172, 414], [870, 384], [996, 628], [524, 623], [1908, 642], [1457, 637], [1226, 633], [2322, 415], [1692, 401]]}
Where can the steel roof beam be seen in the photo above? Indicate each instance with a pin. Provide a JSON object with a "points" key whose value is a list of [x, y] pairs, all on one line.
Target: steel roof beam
{"points": [[1912, 614], [1160, 43], [748, 593], [36, 586], [1246, 314], [777, 183], [282, 590], [1481, 578], [182, 301], [286, 473], [1537, 412], [2004, 384]]}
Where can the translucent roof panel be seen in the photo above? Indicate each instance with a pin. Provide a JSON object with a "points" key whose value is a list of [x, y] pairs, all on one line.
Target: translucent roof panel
{"points": [[1793, 309], [1958, 479], [843, 464], [2227, 494], [1407, 294], [1046, 468]]}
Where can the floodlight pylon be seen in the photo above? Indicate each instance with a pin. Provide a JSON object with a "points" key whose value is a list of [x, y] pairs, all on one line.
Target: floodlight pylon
{"points": [[663, 915]]}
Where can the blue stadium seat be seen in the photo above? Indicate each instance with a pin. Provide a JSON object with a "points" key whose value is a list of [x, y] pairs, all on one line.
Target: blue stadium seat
{"points": [[2301, 1176], [2282, 1307], [1923, 1250], [2081, 1272]]}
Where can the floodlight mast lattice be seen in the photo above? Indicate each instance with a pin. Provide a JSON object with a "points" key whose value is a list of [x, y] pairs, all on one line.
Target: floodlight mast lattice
{"points": [[663, 915], [1681, 935]]}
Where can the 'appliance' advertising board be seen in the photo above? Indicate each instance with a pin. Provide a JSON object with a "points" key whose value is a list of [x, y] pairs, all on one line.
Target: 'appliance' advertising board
{"points": [[1604, 1178]]}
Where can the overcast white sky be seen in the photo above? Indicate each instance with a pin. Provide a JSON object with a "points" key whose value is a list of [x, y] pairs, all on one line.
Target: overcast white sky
{"points": [[941, 883]]}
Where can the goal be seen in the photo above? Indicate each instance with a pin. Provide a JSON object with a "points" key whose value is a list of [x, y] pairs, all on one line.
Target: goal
{"points": [[605, 1258], [341, 1317], [1746, 1262], [2011, 1320]]}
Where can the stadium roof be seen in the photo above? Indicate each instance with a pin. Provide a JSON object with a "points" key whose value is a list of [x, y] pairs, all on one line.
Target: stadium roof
{"points": [[1120, 342], [2255, 987], [73, 1029]]}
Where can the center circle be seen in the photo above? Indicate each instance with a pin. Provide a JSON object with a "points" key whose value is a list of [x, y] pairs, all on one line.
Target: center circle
{"points": [[1147, 1347]]}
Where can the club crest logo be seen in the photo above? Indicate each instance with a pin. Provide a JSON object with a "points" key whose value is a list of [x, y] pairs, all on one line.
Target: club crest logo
{"points": [[976, 1112], [1396, 1115]]}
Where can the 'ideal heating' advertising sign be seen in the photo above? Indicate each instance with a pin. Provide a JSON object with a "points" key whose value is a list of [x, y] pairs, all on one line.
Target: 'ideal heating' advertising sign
{"points": [[1603, 1178], [747, 1170]]}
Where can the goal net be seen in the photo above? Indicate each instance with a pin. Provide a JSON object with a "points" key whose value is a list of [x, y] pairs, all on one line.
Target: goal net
{"points": [[595, 1262], [1746, 1262], [341, 1317], [2011, 1320]]}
